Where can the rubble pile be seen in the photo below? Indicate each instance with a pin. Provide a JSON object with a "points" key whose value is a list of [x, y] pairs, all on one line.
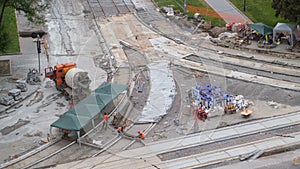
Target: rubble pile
{"points": [[33, 77]]}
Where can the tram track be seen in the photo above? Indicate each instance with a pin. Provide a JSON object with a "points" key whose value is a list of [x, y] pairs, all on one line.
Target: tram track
{"points": [[115, 144], [266, 65], [283, 131], [292, 77]]}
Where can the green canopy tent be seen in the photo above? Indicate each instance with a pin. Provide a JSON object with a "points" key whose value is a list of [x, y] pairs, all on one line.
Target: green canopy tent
{"points": [[84, 112], [261, 28], [110, 88], [71, 121]]}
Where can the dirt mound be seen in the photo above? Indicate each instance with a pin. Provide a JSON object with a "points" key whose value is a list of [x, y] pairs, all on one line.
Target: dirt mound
{"points": [[216, 31]]}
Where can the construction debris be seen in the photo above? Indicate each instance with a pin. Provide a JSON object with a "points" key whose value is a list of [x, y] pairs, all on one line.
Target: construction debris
{"points": [[246, 113], [296, 161], [169, 11], [230, 109], [254, 155], [285, 135], [15, 93], [6, 100], [273, 104], [200, 113], [239, 102], [33, 77], [21, 84], [207, 98], [257, 155]]}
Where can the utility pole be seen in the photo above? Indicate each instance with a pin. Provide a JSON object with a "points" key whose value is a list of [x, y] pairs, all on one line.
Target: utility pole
{"points": [[38, 46], [244, 5]]}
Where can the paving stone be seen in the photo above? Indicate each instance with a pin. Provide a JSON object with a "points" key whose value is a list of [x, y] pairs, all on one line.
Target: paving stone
{"points": [[223, 134], [249, 128], [276, 122], [194, 140], [294, 118], [182, 163], [212, 157], [269, 144], [241, 150]]}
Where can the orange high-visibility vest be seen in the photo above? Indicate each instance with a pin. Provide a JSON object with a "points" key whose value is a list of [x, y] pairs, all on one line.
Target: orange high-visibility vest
{"points": [[142, 135], [119, 129], [106, 117]]}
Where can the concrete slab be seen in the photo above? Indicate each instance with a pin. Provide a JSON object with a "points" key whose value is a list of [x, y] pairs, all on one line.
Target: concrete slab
{"points": [[180, 163], [249, 128], [212, 157], [223, 134], [290, 140], [152, 149], [269, 143], [276, 122], [281, 160], [194, 140], [294, 118], [241, 150]]}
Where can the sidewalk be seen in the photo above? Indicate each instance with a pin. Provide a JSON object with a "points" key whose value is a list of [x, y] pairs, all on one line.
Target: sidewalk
{"points": [[146, 156], [228, 11], [231, 153]]}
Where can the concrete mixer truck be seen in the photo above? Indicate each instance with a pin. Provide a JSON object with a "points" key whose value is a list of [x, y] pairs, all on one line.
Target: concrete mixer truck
{"points": [[71, 81]]}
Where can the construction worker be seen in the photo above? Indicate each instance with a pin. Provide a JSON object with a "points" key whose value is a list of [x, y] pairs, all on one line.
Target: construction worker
{"points": [[66, 132], [141, 134], [105, 122], [120, 129]]}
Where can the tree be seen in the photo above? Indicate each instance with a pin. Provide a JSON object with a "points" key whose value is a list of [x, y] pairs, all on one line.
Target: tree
{"points": [[33, 9], [288, 9]]}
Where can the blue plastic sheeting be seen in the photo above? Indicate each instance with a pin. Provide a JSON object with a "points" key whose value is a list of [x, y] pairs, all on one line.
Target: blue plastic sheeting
{"points": [[211, 95]]}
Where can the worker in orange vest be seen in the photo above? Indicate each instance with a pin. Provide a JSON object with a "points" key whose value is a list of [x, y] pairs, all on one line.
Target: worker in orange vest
{"points": [[105, 122], [66, 132], [120, 129], [141, 134]]}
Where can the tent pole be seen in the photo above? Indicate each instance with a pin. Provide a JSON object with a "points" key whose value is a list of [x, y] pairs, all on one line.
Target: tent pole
{"points": [[50, 132], [274, 39], [78, 140]]}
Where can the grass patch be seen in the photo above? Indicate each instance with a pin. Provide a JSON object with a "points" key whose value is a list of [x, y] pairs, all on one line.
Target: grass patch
{"points": [[9, 26], [259, 11], [178, 5]]}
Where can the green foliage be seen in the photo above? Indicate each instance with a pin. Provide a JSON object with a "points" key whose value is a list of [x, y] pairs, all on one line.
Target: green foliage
{"points": [[33, 9], [9, 39], [259, 11], [288, 9], [4, 40]]}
